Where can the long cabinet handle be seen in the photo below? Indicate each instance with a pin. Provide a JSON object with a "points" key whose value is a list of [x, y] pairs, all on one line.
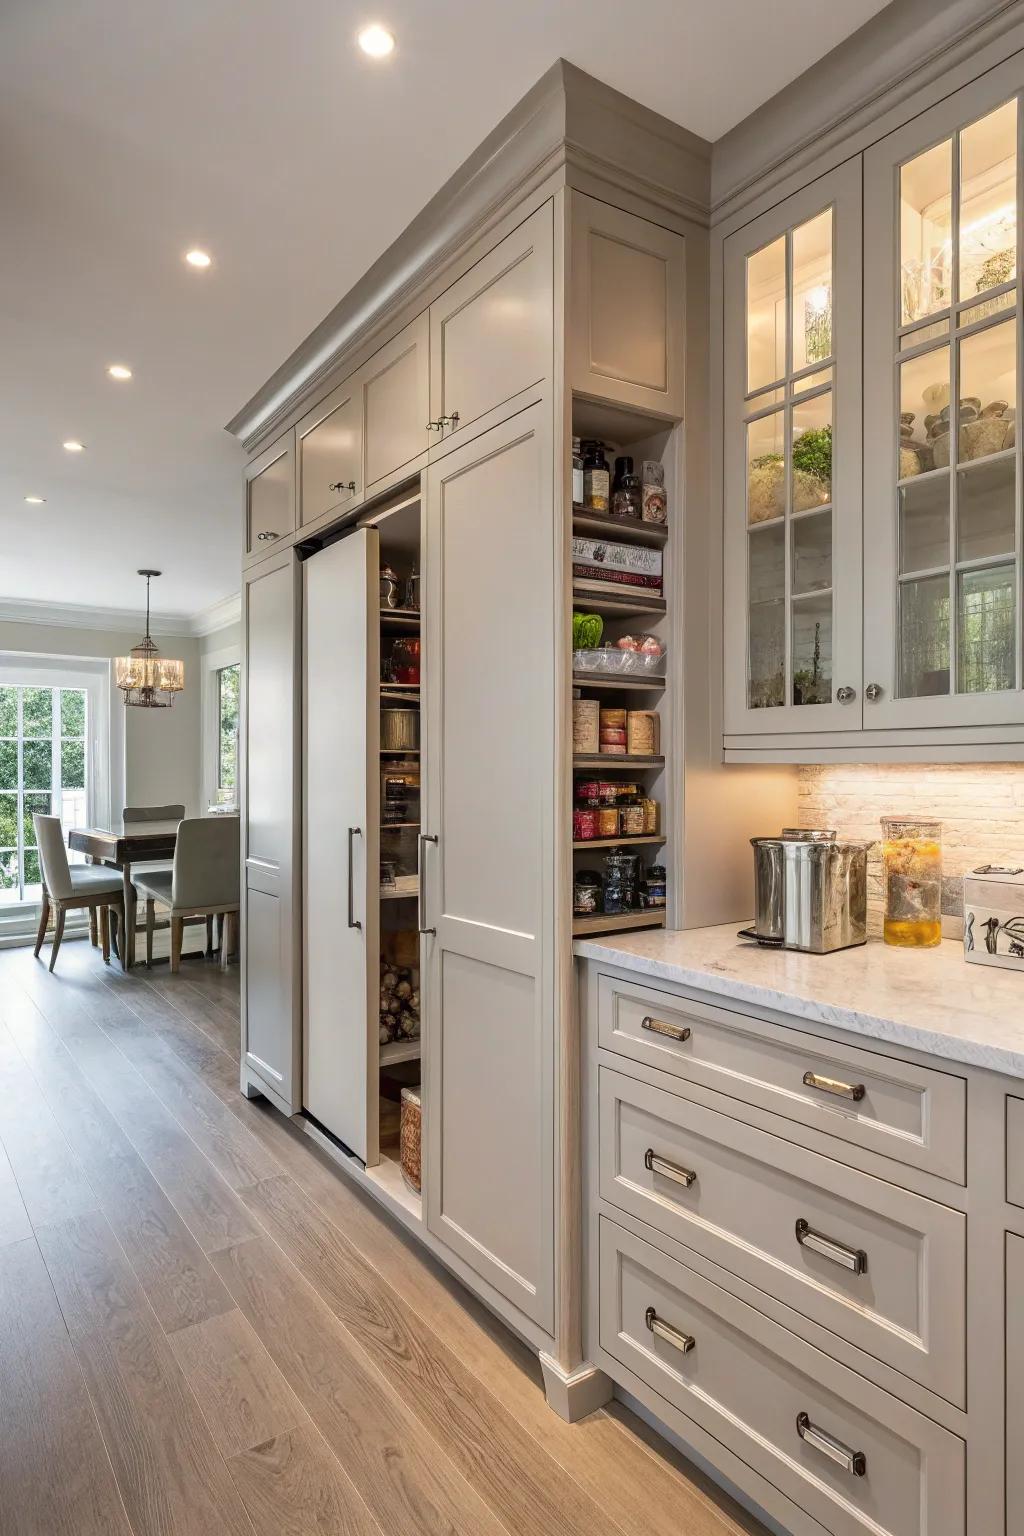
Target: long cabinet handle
{"points": [[854, 1462], [424, 837], [660, 1027], [655, 1164], [834, 1085], [684, 1342], [853, 1259], [352, 832]]}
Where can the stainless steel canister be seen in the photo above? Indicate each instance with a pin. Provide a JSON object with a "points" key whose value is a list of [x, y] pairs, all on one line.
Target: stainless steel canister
{"points": [[811, 891]]}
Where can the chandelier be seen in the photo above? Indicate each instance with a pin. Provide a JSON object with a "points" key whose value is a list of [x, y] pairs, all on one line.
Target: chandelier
{"points": [[145, 677]]}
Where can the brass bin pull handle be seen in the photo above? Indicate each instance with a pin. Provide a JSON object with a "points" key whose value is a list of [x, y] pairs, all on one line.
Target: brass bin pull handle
{"points": [[684, 1342], [853, 1259], [834, 1085], [854, 1462], [352, 832], [655, 1164], [424, 838], [659, 1027]]}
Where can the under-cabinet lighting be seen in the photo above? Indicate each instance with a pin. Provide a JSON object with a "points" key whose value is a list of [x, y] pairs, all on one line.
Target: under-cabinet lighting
{"points": [[35, 501], [377, 41], [72, 445], [119, 371], [197, 258]]}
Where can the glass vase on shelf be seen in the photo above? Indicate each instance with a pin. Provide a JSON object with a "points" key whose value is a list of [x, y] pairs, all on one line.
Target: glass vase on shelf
{"points": [[912, 880]]}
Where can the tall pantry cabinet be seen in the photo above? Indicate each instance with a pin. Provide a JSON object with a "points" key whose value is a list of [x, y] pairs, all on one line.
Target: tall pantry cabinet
{"points": [[438, 444]]}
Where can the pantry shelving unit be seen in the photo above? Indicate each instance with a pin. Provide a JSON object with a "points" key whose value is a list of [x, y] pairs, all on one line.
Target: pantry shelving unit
{"points": [[625, 613]]}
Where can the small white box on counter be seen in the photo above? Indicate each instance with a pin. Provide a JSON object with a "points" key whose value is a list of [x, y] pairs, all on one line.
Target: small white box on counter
{"points": [[994, 915]]}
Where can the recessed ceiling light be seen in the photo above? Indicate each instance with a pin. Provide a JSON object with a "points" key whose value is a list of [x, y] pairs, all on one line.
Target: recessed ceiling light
{"points": [[377, 41], [119, 371], [198, 258], [35, 501], [73, 445]]}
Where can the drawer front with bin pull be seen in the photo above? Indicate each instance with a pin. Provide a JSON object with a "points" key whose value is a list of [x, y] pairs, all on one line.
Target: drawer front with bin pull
{"points": [[914, 1115], [848, 1453], [879, 1266]]}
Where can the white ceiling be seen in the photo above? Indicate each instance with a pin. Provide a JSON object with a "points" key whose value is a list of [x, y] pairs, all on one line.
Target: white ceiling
{"points": [[131, 130]]}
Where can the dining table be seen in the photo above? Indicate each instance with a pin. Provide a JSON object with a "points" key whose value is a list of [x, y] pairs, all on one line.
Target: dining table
{"points": [[121, 846]]}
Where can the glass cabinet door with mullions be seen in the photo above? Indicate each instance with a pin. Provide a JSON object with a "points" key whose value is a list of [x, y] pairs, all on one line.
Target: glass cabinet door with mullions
{"points": [[942, 505], [792, 464]]}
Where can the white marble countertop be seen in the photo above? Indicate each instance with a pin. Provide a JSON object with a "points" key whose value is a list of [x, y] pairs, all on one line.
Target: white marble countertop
{"points": [[928, 1000]]}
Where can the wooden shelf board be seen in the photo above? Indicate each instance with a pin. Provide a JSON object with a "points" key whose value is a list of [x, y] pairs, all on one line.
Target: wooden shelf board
{"points": [[582, 844], [629, 530], [613, 606], [609, 760], [400, 618], [399, 751], [408, 893], [630, 684], [583, 927], [395, 826], [399, 1050], [398, 692]]}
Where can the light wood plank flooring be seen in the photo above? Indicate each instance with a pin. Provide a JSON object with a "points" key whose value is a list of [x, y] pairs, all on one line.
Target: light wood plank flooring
{"points": [[207, 1330]]}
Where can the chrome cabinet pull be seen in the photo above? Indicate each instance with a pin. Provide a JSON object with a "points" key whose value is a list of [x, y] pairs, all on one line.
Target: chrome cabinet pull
{"points": [[352, 832], [873, 692], [659, 1027], [267, 535], [684, 1342], [854, 1091], [854, 1462], [846, 695], [449, 421], [655, 1164], [424, 837], [853, 1259], [342, 485]]}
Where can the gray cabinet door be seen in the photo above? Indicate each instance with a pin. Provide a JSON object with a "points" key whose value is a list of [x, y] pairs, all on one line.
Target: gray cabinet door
{"points": [[492, 335], [942, 339], [329, 444], [792, 464], [270, 965], [488, 884], [270, 497], [341, 844], [395, 390], [1014, 1383]]}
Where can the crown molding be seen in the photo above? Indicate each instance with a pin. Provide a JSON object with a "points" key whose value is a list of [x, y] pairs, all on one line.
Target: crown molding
{"points": [[121, 620]]}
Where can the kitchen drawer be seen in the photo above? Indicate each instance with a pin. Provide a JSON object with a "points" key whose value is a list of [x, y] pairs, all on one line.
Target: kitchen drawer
{"points": [[877, 1265], [751, 1383], [1014, 1150], [913, 1114]]}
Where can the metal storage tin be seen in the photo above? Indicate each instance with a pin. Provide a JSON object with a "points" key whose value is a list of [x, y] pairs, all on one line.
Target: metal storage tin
{"points": [[811, 891]]}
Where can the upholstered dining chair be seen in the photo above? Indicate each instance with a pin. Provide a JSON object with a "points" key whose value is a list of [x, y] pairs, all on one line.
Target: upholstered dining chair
{"points": [[203, 881], [69, 886]]}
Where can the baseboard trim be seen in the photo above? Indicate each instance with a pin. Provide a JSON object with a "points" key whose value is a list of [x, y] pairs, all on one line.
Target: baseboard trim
{"points": [[574, 1394]]}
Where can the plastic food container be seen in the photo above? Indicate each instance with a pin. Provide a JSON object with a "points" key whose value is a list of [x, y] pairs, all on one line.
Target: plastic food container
{"points": [[912, 877], [609, 661]]}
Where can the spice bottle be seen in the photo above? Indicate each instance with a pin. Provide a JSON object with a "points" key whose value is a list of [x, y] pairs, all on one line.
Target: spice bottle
{"points": [[627, 495], [596, 477], [577, 473]]}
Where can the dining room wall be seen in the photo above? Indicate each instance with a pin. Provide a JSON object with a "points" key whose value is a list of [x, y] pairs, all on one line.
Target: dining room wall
{"points": [[162, 747]]}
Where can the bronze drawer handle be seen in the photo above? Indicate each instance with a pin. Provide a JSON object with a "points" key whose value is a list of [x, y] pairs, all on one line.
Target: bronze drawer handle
{"points": [[853, 1259], [659, 1027], [854, 1091], [684, 1342], [655, 1164], [854, 1462]]}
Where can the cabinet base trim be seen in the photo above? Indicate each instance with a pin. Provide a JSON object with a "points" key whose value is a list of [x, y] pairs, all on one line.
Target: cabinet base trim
{"points": [[574, 1394]]}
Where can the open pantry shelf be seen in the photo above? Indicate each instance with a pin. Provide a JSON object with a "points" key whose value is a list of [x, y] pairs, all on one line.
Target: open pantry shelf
{"points": [[399, 618], [404, 892], [408, 693], [399, 751], [583, 927], [613, 760], [399, 1050], [629, 684], [629, 529], [611, 606], [581, 844]]}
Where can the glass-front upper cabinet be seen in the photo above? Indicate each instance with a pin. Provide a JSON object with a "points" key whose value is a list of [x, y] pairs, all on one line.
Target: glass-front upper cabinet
{"points": [[792, 429], [942, 504]]}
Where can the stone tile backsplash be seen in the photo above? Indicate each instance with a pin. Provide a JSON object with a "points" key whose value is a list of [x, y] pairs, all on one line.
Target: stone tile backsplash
{"points": [[980, 805]]}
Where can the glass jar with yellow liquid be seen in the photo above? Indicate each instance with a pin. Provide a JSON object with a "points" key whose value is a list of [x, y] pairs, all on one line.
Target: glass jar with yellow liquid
{"points": [[912, 876]]}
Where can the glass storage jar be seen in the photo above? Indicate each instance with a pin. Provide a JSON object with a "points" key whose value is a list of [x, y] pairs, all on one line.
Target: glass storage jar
{"points": [[912, 878]]}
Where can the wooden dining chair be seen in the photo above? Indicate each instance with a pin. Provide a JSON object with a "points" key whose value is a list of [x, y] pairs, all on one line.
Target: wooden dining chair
{"points": [[70, 886], [203, 881]]}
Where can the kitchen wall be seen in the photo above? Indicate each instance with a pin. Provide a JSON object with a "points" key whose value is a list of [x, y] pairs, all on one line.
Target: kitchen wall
{"points": [[981, 806], [162, 746]]}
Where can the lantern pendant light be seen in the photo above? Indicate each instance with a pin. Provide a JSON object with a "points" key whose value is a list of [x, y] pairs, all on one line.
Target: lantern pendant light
{"points": [[145, 678]]}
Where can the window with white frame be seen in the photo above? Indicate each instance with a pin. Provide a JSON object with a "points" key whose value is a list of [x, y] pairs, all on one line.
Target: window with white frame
{"points": [[228, 679], [44, 769]]}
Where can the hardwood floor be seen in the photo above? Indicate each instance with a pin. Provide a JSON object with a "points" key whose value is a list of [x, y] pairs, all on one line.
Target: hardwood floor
{"points": [[207, 1330]]}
